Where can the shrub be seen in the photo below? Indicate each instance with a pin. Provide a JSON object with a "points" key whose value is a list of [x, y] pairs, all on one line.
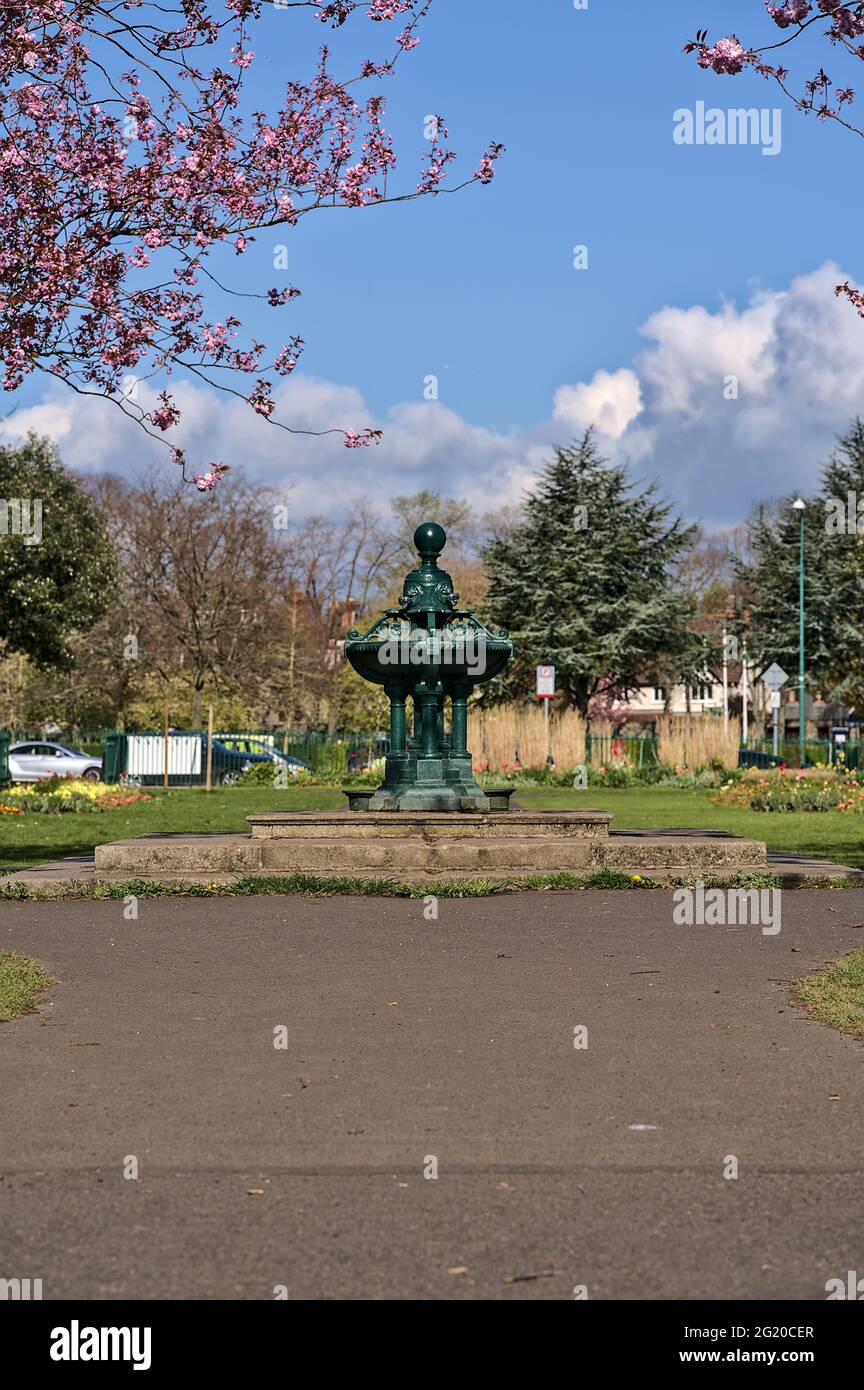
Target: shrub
{"points": [[259, 775]]}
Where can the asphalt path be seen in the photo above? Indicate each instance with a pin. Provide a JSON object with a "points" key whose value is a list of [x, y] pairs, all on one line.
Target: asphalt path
{"points": [[409, 1046]]}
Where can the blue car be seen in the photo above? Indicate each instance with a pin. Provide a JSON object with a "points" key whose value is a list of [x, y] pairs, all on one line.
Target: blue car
{"points": [[235, 754]]}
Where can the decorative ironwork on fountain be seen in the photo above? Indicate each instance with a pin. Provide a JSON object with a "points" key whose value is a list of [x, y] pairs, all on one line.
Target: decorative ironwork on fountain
{"points": [[428, 650]]}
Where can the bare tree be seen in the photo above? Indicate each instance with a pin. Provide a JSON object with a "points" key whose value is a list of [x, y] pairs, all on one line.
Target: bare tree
{"points": [[209, 574]]}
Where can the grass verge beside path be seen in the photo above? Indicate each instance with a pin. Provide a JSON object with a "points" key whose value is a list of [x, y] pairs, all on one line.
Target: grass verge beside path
{"points": [[323, 886], [21, 980], [34, 839], [836, 996]]}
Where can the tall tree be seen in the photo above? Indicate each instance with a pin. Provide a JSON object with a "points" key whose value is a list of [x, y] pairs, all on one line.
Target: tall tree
{"points": [[843, 500], [834, 577], [57, 565], [584, 582], [207, 575]]}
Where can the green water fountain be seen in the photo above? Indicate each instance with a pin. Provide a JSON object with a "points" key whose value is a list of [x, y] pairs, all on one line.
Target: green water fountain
{"points": [[430, 651]]}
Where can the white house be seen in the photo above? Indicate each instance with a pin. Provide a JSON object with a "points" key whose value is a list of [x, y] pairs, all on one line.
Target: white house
{"points": [[651, 699]]}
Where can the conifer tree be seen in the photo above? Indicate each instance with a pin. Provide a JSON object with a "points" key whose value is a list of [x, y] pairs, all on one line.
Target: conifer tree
{"points": [[833, 578], [585, 583]]}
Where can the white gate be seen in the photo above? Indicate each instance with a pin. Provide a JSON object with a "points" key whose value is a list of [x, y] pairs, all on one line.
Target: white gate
{"points": [[145, 755]]}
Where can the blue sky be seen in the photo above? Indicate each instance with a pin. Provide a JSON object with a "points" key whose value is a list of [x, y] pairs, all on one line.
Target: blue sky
{"points": [[480, 287], [480, 290]]}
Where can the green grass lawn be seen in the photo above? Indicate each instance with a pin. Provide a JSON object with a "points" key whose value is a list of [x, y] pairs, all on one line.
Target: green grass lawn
{"points": [[836, 996], [34, 839], [21, 979]]}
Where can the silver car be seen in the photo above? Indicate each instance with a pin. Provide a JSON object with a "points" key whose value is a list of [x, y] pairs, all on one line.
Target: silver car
{"points": [[31, 762]]}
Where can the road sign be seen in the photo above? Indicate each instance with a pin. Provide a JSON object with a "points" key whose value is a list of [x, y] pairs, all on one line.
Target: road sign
{"points": [[774, 677], [545, 682]]}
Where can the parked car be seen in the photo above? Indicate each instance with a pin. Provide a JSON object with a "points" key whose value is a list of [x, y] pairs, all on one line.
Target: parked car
{"points": [[256, 750], [32, 762], [231, 758]]}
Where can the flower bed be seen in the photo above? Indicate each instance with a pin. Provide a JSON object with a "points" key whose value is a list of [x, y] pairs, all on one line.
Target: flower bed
{"points": [[790, 789], [60, 795]]}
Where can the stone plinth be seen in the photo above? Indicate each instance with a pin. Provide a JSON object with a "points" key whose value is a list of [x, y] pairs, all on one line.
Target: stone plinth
{"points": [[418, 846], [433, 825]]}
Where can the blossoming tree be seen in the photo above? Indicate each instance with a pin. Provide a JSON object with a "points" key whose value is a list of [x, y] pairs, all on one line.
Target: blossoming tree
{"points": [[128, 154], [834, 22]]}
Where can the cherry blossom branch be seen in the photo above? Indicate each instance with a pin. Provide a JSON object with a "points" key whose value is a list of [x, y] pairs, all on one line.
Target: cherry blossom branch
{"points": [[839, 23], [842, 23], [83, 224]]}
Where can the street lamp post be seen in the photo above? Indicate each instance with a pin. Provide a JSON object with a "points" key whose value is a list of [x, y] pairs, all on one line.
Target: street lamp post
{"points": [[800, 506]]}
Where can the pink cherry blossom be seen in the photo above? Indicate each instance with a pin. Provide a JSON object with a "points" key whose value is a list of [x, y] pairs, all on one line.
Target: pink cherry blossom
{"points": [[727, 56], [792, 12], [353, 440], [129, 153], [205, 482]]}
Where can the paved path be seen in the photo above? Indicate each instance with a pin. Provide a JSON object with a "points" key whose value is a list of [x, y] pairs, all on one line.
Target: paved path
{"points": [[408, 1038]]}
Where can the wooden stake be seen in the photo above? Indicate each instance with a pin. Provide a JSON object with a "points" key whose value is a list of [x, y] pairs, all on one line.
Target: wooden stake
{"points": [[209, 748], [165, 742]]}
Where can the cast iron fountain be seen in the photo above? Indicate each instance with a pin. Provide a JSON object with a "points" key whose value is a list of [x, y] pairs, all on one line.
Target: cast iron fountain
{"points": [[428, 650]]}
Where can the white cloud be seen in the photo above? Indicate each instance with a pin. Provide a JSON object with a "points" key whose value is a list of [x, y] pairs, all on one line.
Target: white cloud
{"points": [[696, 349], [797, 354], [609, 403]]}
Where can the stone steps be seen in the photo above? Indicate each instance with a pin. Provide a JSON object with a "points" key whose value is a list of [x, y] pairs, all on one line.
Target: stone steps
{"points": [[422, 855], [388, 826]]}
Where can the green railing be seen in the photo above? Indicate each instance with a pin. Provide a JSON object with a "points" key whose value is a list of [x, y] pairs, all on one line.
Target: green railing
{"points": [[760, 753], [640, 750], [329, 755]]}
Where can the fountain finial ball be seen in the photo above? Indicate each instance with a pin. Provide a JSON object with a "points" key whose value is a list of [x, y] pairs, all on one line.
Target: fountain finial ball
{"points": [[430, 539]]}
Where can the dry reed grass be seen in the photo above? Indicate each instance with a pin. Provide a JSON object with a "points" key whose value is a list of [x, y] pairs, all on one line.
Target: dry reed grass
{"points": [[507, 734], [695, 740]]}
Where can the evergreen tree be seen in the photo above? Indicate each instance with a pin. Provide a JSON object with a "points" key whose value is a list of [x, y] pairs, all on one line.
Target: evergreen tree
{"points": [[834, 579], [57, 566], [585, 582], [843, 607]]}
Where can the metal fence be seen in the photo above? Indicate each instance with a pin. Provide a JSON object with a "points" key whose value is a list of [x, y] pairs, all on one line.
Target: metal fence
{"points": [[816, 751], [141, 757], [639, 750]]}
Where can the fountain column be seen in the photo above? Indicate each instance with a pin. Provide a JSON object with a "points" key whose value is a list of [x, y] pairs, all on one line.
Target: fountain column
{"points": [[459, 720], [396, 692]]}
